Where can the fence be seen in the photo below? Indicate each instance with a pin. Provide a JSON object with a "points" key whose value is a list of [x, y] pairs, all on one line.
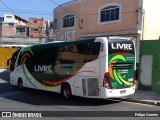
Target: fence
{"points": [[21, 40]]}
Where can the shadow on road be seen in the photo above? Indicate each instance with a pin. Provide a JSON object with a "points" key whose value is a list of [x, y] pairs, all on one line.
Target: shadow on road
{"points": [[38, 97], [4, 81], [4, 74]]}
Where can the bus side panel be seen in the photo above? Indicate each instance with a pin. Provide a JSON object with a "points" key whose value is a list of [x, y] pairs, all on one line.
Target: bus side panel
{"points": [[103, 63], [103, 69], [87, 80]]}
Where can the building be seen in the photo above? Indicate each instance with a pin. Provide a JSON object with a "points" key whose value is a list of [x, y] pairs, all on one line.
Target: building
{"points": [[82, 19], [135, 18], [37, 27], [150, 65], [13, 26]]}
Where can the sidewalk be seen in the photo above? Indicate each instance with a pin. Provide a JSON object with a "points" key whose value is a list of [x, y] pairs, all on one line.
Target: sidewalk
{"points": [[4, 70], [144, 97]]}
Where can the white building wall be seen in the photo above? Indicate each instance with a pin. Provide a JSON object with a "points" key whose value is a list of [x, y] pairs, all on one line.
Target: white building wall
{"points": [[8, 18], [151, 19]]}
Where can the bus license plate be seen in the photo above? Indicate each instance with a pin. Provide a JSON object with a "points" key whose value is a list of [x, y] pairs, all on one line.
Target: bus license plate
{"points": [[122, 91]]}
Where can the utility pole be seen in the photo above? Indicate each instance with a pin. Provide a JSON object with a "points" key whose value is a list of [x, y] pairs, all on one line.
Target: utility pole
{"points": [[47, 31]]}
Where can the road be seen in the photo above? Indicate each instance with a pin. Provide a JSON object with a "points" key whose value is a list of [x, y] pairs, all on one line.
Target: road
{"points": [[11, 99]]}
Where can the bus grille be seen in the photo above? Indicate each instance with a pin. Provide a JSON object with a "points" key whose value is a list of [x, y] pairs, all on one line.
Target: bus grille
{"points": [[93, 86]]}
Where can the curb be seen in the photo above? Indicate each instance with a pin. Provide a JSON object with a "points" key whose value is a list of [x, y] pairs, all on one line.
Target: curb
{"points": [[4, 70], [149, 102]]}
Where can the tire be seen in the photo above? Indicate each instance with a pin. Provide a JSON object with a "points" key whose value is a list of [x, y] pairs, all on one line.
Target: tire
{"points": [[66, 91], [20, 85]]}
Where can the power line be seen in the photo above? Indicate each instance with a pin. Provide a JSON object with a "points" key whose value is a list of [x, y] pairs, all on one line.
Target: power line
{"points": [[8, 7], [63, 8], [2, 10], [28, 11], [47, 13]]}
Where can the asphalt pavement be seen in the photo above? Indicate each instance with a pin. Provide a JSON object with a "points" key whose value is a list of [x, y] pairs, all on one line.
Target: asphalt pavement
{"points": [[141, 96]]}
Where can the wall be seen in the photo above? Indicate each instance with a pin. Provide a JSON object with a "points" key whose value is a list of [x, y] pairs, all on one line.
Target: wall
{"points": [[151, 47], [10, 25], [151, 19], [87, 19], [21, 40], [8, 18], [8, 29], [36, 28]]}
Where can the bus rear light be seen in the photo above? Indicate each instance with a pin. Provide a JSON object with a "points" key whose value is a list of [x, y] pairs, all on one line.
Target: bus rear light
{"points": [[135, 78], [106, 83]]}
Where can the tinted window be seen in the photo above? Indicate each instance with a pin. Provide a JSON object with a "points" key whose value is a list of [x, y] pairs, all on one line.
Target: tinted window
{"points": [[68, 21], [110, 13], [56, 62], [79, 53]]}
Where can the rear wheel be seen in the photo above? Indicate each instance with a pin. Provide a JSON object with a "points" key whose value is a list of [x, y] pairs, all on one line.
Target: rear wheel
{"points": [[20, 84], [66, 91]]}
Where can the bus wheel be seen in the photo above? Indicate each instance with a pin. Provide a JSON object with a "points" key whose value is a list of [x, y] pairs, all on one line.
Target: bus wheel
{"points": [[66, 91], [20, 84]]}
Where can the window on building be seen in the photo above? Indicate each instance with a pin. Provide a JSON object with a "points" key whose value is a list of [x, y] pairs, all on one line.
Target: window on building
{"points": [[19, 29], [34, 21], [68, 21], [10, 24], [35, 29], [8, 16], [110, 13]]}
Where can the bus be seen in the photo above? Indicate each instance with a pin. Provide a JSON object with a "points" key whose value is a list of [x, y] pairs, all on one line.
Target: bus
{"points": [[103, 67]]}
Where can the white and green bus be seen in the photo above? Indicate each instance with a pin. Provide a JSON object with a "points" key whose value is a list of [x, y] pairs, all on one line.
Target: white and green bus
{"points": [[103, 67]]}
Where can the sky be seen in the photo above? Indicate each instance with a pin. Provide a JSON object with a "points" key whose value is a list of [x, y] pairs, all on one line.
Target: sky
{"points": [[30, 8]]}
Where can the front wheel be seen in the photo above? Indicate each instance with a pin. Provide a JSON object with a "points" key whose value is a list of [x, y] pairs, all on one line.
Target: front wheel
{"points": [[66, 91]]}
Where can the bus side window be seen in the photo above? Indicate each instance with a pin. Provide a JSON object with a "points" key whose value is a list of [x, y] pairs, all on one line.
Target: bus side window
{"points": [[94, 51], [66, 55], [96, 48]]}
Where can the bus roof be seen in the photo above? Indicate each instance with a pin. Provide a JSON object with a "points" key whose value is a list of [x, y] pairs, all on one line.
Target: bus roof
{"points": [[59, 43]]}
